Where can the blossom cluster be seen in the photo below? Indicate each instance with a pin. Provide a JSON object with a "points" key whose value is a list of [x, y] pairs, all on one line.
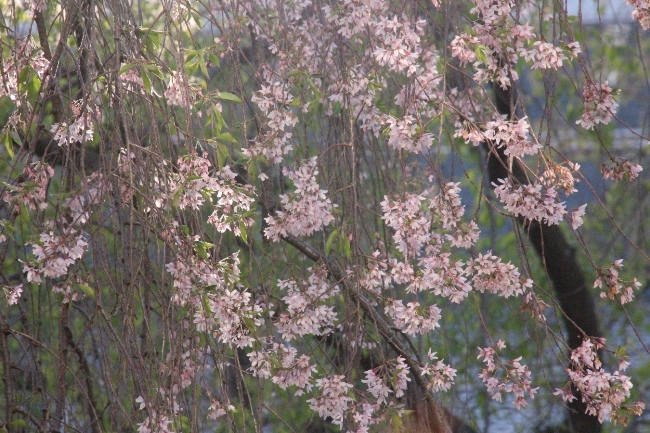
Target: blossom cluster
{"points": [[603, 393], [217, 410], [613, 287], [641, 12], [413, 319], [545, 55], [421, 97], [183, 364], [600, 105], [180, 92], [133, 82], [441, 375], [156, 423], [494, 276], [197, 184], [513, 135], [79, 205], [378, 380], [377, 384], [447, 209], [442, 276], [275, 101], [306, 210], [54, 254], [398, 44], [282, 364], [410, 223], [33, 191], [221, 306], [333, 400], [531, 201], [81, 130], [515, 378], [357, 92], [403, 134], [494, 45], [375, 277], [619, 169], [24, 54], [306, 312], [13, 293], [560, 177]]}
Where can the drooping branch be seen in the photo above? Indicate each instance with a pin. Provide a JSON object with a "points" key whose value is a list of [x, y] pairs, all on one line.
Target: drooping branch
{"points": [[437, 418], [559, 260]]}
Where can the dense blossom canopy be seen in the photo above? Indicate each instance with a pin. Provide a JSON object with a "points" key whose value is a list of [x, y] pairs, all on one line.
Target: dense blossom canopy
{"points": [[211, 208]]}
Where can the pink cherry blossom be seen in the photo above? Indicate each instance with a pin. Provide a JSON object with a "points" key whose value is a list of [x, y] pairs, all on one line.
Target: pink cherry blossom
{"points": [[306, 210]]}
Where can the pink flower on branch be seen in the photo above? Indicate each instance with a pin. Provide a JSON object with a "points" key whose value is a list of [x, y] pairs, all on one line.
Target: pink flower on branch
{"points": [[514, 377], [333, 400], [613, 286], [197, 184], [619, 169], [33, 192], [410, 222], [81, 130], [13, 293], [513, 135], [600, 106], [275, 101], [494, 276], [531, 201], [441, 376], [282, 364], [384, 380], [641, 12], [305, 210], [413, 319], [55, 254], [306, 312], [603, 393]]}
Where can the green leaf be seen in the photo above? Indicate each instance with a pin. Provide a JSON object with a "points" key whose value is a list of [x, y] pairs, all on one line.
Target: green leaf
{"points": [[297, 102], [227, 96], [19, 423], [201, 251], [330, 241], [153, 40], [218, 120], [87, 290], [249, 323], [479, 50], [152, 67], [347, 250], [296, 73], [222, 154], [23, 74], [226, 136], [146, 81], [242, 229], [214, 59], [9, 144], [396, 421], [191, 66], [203, 67], [126, 68]]}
